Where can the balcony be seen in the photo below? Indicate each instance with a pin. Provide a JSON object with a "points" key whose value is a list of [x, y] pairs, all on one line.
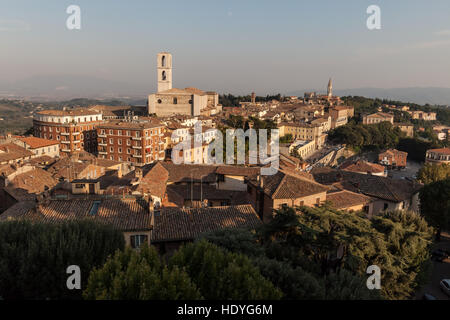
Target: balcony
{"points": [[102, 152], [137, 155], [104, 144], [65, 141], [137, 147], [101, 135], [76, 141], [76, 133], [65, 133], [136, 138]]}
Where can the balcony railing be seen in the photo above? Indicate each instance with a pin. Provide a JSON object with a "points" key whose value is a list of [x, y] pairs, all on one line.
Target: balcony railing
{"points": [[137, 155], [137, 147], [65, 141], [102, 152], [65, 133]]}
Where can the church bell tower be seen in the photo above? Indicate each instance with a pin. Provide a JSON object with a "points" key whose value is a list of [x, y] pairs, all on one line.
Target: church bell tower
{"points": [[330, 89], [164, 63]]}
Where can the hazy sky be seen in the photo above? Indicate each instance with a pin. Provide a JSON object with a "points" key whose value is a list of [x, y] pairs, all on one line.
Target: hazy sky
{"points": [[231, 46]]}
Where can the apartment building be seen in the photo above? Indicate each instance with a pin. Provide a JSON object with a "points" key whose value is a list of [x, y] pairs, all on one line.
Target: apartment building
{"points": [[438, 156], [339, 117], [73, 129], [135, 142]]}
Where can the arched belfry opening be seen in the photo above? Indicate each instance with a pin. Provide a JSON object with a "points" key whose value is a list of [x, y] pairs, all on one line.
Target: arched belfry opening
{"points": [[164, 65]]}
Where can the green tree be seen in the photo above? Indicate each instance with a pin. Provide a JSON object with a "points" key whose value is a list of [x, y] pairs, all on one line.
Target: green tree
{"points": [[220, 274], [435, 204], [34, 257], [433, 172], [139, 275]]}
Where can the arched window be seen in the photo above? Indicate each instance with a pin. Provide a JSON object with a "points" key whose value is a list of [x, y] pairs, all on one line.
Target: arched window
{"points": [[163, 61], [175, 100], [164, 75]]}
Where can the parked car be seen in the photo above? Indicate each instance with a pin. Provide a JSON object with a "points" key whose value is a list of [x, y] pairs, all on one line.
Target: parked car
{"points": [[428, 296], [445, 286]]}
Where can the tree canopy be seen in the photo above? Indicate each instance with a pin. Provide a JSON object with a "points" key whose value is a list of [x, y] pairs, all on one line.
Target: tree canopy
{"points": [[35, 257]]}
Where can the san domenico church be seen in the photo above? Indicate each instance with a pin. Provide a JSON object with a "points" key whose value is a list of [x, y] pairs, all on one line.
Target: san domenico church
{"points": [[168, 101]]}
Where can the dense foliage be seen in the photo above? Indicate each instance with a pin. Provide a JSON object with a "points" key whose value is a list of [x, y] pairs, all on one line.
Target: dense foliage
{"points": [[229, 100], [35, 257], [435, 204], [323, 253], [196, 271], [220, 274], [367, 137], [432, 172], [139, 275]]}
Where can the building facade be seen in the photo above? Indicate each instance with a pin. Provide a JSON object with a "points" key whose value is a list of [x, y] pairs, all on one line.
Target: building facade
{"points": [[136, 142], [73, 129], [168, 101], [377, 118], [438, 156]]}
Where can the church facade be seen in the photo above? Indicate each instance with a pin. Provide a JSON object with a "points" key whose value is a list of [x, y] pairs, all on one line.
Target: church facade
{"points": [[169, 101]]}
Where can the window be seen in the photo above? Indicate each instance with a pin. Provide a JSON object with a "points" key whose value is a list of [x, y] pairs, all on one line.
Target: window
{"points": [[163, 61], [159, 101], [111, 141], [175, 101], [119, 132], [119, 142], [79, 186], [111, 149], [138, 240], [164, 77], [386, 205]]}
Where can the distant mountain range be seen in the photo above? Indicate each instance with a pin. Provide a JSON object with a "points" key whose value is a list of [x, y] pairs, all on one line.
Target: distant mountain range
{"points": [[50, 88], [65, 87], [419, 95]]}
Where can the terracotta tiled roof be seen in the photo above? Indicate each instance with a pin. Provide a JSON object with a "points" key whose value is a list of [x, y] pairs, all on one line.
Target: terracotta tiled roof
{"points": [[238, 171], [74, 112], [35, 142], [283, 185], [394, 190], [154, 182], [11, 151], [363, 166], [27, 185], [185, 172], [344, 199], [123, 215], [206, 192], [174, 224], [441, 151]]}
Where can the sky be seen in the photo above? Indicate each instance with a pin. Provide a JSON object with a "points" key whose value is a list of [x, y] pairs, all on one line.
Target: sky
{"points": [[231, 46]]}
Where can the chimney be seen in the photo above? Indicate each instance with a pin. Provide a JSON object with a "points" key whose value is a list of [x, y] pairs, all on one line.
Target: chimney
{"points": [[138, 173]]}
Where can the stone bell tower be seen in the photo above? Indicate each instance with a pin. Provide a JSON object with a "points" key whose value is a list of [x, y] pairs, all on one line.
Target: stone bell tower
{"points": [[330, 89], [164, 64]]}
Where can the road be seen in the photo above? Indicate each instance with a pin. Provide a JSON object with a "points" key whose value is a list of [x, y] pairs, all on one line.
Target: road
{"points": [[441, 270], [410, 171]]}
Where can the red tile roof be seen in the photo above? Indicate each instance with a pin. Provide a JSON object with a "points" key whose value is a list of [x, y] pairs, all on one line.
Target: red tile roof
{"points": [[35, 142], [174, 224], [121, 214]]}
